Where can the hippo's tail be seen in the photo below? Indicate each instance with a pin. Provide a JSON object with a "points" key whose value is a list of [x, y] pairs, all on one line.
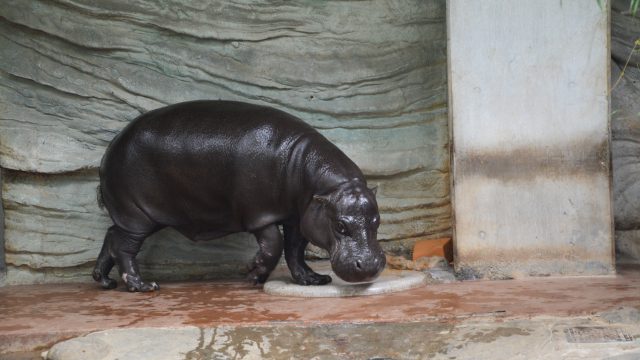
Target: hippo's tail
{"points": [[99, 197]]}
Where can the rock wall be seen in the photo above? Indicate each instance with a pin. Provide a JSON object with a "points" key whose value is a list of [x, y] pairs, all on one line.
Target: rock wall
{"points": [[370, 75], [625, 129], [3, 266]]}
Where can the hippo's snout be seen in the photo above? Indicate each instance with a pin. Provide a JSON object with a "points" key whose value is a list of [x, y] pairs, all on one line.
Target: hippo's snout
{"points": [[361, 268]]}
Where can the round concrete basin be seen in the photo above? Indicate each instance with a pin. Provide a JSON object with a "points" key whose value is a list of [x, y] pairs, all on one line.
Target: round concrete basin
{"points": [[280, 283]]}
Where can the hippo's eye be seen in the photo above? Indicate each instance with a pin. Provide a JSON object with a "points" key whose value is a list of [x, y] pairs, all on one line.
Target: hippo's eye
{"points": [[341, 228]]}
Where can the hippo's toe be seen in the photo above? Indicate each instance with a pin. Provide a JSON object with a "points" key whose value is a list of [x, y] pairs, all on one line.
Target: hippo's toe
{"points": [[312, 278], [105, 281], [108, 283], [258, 274], [135, 284]]}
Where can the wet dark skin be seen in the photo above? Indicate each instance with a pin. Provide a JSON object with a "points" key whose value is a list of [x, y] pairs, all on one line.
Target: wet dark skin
{"points": [[212, 168]]}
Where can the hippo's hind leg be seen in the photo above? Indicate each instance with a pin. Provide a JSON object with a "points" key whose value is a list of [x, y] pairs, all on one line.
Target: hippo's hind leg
{"points": [[270, 250], [121, 247], [126, 246], [294, 246], [105, 262]]}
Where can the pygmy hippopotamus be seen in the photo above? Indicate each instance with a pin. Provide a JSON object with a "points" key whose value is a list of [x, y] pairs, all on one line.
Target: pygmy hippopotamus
{"points": [[212, 168]]}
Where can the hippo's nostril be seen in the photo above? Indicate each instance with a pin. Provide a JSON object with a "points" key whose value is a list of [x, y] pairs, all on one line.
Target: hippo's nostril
{"points": [[359, 264]]}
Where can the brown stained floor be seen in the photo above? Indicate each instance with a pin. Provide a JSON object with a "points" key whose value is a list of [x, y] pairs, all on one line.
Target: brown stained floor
{"points": [[37, 316]]}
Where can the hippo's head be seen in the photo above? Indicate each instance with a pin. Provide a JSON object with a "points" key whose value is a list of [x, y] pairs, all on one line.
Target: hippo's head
{"points": [[345, 223]]}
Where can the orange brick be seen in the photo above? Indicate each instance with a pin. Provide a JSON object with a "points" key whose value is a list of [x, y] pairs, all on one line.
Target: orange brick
{"points": [[435, 247]]}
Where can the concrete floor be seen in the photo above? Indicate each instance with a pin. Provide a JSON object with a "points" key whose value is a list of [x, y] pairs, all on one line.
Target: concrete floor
{"points": [[577, 317]]}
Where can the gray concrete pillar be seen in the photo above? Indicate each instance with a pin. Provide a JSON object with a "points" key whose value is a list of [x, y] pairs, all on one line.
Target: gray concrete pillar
{"points": [[529, 116]]}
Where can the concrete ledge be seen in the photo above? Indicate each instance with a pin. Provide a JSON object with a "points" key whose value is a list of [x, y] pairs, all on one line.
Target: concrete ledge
{"points": [[478, 339]]}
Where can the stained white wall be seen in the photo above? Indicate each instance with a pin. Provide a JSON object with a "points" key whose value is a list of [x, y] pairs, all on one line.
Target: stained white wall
{"points": [[529, 123]]}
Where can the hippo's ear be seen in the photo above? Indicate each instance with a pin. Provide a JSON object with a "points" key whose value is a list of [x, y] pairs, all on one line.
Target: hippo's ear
{"points": [[322, 199], [374, 190]]}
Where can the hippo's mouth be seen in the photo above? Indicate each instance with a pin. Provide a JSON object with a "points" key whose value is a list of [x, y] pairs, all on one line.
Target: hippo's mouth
{"points": [[358, 269]]}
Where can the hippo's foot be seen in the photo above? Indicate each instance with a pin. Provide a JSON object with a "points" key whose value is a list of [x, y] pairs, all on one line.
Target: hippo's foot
{"points": [[105, 281], [134, 283], [258, 273], [311, 278]]}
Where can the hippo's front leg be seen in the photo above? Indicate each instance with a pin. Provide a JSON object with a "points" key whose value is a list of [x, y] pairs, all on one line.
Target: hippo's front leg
{"points": [[270, 249], [294, 246]]}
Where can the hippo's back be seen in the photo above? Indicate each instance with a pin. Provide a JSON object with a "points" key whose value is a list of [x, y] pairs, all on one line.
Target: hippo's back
{"points": [[200, 166]]}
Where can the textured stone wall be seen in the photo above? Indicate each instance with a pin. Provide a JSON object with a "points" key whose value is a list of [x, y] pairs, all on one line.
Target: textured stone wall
{"points": [[625, 129], [3, 266], [370, 75]]}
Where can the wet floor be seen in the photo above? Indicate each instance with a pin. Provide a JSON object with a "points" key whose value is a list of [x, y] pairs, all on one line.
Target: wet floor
{"points": [[35, 317]]}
